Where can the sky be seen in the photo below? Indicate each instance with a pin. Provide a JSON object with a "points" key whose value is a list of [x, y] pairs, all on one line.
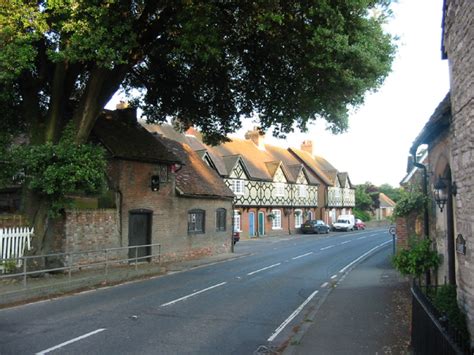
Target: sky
{"points": [[376, 146], [381, 132]]}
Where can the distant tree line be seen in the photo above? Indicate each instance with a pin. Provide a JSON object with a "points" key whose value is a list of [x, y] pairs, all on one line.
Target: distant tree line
{"points": [[367, 198]]}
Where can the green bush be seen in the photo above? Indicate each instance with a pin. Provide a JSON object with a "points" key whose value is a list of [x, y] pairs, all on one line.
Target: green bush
{"points": [[363, 215], [445, 300], [418, 259], [410, 202]]}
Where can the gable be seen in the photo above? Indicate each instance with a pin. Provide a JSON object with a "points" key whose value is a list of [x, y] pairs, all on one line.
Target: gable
{"points": [[279, 176], [301, 179], [238, 172]]}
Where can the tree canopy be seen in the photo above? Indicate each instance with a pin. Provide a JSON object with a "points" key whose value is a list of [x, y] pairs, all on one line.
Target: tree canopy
{"points": [[204, 63]]}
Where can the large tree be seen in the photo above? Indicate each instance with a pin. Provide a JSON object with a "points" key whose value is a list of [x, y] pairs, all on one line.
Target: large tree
{"points": [[204, 63]]}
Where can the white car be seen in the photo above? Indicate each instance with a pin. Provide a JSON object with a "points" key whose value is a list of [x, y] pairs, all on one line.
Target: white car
{"points": [[343, 224]]}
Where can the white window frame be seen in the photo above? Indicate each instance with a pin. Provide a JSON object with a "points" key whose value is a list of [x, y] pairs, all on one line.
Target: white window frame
{"points": [[298, 218], [302, 191], [279, 189], [237, 221], [238, 187], [276, 221]]}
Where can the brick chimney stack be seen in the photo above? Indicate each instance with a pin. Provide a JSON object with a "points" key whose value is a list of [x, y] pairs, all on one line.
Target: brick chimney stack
{"points": [[257, 137], [307, 146]]}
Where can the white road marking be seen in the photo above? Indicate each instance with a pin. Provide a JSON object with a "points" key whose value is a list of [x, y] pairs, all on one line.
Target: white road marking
{"points": [[347, 241], [192, 294], [372, 235], [328, 247], [265, 268], [291, 317], [363, 255], [302, 256], [361, 238], [70, 341], [324, 285], [333, 277]]}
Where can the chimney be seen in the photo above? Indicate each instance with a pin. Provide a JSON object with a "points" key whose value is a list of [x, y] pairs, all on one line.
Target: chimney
{"points": [[126, 113], [307, 146], [257, 137]]}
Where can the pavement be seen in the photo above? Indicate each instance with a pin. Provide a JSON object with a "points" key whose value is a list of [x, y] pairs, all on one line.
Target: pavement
{"points": [[367, 312]]}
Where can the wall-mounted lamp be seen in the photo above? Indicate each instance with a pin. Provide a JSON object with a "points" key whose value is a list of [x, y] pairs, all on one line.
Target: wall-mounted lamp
{"points": [[442, 192], [155, 183]]}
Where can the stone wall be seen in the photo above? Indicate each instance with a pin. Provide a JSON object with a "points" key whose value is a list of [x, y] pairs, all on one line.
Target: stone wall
{"points": [[459, 46]]}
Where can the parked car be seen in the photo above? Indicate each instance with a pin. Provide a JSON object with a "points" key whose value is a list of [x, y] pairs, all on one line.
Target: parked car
{"points": [[344, 224], [315, 226], [235, 237], [359, 224]]}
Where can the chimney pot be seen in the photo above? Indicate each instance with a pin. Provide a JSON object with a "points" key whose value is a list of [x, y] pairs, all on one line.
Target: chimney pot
{"points": [[307, 146]]}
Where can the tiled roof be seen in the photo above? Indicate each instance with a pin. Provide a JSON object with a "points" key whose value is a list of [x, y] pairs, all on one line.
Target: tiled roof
{"points": [[312, 163], [385, 201], [195, 178], [254, 158], [126, 139], [343, 178]]}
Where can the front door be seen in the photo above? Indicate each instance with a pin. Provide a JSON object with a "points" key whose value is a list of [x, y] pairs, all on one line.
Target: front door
{"points": [[251, 224], [139, 233], [261, 223]]}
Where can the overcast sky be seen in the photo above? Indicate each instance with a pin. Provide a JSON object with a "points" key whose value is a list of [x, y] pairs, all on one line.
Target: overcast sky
{"points": [[381, 132]]}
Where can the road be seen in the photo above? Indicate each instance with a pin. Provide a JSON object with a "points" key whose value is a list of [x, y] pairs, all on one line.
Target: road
{"points": [[233, 307]]}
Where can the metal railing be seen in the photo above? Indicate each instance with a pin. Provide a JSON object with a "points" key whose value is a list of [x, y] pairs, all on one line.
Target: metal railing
{"points": [[431, 332], [68, 263]]}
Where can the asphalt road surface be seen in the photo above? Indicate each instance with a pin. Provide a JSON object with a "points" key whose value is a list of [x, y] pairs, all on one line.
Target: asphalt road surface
{"points": [[233, 307]]}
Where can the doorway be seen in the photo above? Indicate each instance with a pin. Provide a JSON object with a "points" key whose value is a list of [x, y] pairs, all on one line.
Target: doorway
{"points": [[139, 233], [261, 223], [251, 224]]}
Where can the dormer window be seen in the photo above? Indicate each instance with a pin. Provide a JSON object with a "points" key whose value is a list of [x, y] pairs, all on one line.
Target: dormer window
{"points": [[302, 191], [238, 186], [279, 189]]}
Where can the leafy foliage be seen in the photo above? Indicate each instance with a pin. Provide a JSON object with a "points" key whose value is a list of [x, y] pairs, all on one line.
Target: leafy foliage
{"points": [[203, 63], [56, 170], [363, 215], [413, 201], [393, 193], [418, 259], [445, 300]]}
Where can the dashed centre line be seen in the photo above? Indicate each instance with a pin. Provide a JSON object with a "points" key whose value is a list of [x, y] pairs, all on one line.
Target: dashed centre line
{"points": [[302, 256], [328, 247], [191, 295], [347, 241], [262, 269], [70, 341], [361, 238]]}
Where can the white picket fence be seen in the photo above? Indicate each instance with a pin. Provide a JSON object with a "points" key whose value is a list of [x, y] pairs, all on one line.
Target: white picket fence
{"points": [[14, 241]]}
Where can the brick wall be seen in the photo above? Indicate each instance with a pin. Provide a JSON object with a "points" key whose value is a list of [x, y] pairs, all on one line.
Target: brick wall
{"points": [[13, 220], [91, 230], [459, 45], [169, 213], [408, 227]]}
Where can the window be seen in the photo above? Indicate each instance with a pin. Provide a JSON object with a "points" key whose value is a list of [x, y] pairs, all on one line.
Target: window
{"points": [[279, 189], [310, 215], [196, 220], [238, 187], [220, 219], [276, 221], [237, 225], [298, 218], [303, 192]]}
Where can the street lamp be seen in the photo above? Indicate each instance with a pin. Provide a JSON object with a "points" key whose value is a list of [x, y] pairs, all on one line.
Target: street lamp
{"points": [[442, 192]]}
